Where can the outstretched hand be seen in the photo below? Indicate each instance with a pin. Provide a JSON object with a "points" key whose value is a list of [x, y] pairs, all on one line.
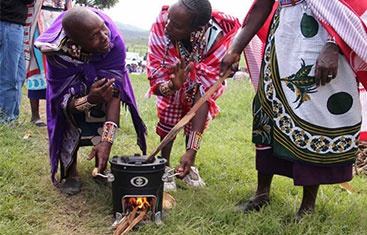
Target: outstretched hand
{"points": [[101, 91], [180, 72], [102, 152]]}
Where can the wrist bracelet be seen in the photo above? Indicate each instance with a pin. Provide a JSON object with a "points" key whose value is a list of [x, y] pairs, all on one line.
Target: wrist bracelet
{"points": [[165, 90], [194, 141], [81, 104], [331, 40], [109, 131]]}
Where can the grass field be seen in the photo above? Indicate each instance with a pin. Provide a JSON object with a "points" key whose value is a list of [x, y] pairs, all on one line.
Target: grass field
{"points": [[30, 204]]}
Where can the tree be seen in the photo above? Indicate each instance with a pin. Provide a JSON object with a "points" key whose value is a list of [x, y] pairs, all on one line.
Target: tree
{"points": [[100, 4]]}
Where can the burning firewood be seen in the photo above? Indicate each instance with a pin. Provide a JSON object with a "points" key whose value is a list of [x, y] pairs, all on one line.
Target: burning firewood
{"points": [[129, 221], [132, 215], [134, 222], [122, 224]]}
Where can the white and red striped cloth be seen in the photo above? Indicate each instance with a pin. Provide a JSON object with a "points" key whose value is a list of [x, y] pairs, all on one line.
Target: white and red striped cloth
{"points": [[363, 98], [172, 108]]}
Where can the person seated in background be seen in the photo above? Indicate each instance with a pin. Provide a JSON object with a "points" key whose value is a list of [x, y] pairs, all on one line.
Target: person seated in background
{"points": [[87, 81], [185, 47]]}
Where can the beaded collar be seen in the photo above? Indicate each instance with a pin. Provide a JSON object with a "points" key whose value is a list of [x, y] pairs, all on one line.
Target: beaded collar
{"points": [[198, 44], [69, 48]]}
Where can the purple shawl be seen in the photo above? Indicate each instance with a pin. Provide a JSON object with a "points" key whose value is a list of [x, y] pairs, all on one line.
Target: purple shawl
{"points": [[63, 79]]}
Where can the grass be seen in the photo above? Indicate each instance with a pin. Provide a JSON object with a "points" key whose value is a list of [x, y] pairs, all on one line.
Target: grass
{"points": [[30, 204]]}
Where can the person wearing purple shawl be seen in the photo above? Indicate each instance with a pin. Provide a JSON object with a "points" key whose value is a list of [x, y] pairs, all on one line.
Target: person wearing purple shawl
{"points": [[87, 80]]}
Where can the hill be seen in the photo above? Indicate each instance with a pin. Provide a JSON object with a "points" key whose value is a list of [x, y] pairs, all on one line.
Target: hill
{"points": [[133, 34]]}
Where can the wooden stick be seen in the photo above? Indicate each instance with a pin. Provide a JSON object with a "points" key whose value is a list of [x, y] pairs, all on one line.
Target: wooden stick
{"points": [[128, 218], [173, 132], [133, 214], [122, 224], [135, 222]]}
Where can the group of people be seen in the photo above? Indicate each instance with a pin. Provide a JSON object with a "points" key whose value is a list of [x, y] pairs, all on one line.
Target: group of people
{"points": [[305, 59]]}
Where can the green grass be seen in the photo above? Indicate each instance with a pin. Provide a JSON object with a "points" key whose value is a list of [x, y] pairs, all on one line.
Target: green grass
{"points": [[30, 204]]}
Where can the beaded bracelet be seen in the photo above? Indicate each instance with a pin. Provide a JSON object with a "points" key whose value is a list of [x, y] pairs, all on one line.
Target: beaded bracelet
{"points": [[194, 140], [331, 40], [165, 90], [109, 131], [81, 104]]}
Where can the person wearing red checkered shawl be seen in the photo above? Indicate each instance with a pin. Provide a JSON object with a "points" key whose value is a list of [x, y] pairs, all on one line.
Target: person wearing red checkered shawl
{"points": [[307, 110], [186, 44]]}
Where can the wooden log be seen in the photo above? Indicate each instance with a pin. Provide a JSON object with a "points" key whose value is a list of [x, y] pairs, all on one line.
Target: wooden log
{"points": [[133, 214], [122, 225], [135, 222]]}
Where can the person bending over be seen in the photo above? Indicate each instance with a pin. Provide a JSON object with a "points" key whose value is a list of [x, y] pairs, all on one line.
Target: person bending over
{"points": [[87, 81], [186, 44]]}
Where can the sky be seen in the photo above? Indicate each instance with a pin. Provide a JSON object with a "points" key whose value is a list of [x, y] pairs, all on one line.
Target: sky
{"points": [[142, 13]]}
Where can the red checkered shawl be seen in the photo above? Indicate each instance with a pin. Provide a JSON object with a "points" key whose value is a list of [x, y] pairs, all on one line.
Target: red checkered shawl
{"points": [[205, 72]]}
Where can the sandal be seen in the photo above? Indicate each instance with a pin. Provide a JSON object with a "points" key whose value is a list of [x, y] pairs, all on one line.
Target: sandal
{"points": [[71, 186], [40, 123]]}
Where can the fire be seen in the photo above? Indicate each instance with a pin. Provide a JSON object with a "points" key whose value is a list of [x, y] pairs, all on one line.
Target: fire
{"points": [[137, 209], [140, 202]]}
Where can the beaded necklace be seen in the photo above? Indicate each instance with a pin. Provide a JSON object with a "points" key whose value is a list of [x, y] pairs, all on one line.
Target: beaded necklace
{"points": [[198, 44], [74, 51], [197, 40]]}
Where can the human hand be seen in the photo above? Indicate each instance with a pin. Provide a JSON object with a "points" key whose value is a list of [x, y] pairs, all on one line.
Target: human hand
{"points": [[229, 63], [187, 160], [180, 71], [327, 64], [102, 152], [101, 91]]}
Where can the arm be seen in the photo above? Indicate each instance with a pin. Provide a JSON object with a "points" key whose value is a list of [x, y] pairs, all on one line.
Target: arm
{"points": [[101, 91], [103, 149], [198, 124], [256, 18]]}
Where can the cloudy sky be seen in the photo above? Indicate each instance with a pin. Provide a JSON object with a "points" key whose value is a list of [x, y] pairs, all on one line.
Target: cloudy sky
{"points": [[142, 13]]}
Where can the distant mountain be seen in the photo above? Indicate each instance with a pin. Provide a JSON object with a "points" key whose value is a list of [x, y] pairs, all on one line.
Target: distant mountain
{"points": [[132, 33]]}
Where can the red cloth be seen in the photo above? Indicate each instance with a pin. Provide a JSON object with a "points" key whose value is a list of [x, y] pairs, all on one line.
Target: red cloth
{"points": [[172, 108]]}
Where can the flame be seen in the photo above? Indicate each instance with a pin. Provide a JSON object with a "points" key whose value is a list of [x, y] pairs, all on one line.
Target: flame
{"points": [[140, 202]]}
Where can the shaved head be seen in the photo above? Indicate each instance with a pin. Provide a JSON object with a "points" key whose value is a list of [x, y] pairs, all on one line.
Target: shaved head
{"points": [[86, 29], [77, 20]]}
